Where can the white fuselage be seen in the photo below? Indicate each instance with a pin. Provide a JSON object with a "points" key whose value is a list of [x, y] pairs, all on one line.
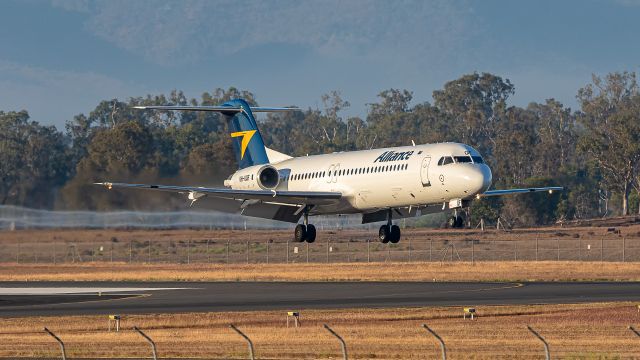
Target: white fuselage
{"points": [[383, 178]]}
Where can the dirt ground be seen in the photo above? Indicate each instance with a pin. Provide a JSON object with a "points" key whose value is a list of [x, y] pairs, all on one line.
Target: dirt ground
{"points": [[585, 331]]}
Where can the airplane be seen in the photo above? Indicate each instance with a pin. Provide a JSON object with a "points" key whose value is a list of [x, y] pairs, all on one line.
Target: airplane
{"points": [[380, 184]]}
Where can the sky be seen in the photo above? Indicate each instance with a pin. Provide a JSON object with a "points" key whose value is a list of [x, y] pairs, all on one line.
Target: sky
{"points": [[59, 58]]}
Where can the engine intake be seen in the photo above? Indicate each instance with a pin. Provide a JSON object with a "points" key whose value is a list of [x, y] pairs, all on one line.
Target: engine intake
{"points": [[268, 178]]}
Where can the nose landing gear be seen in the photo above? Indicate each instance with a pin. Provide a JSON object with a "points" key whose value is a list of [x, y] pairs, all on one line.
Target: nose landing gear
{"points": [[389, 232], [457, 221]]}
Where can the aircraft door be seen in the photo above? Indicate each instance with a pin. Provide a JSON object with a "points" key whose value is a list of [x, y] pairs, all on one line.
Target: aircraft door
{"points": [[424, 171]]}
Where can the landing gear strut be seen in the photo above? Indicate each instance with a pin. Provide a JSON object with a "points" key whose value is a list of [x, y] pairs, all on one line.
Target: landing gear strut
{"points": [[456, 221], [389, 232], [305, 231]]}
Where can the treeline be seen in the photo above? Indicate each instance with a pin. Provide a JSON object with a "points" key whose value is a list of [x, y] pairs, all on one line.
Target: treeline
{"points": [[594, 152]]}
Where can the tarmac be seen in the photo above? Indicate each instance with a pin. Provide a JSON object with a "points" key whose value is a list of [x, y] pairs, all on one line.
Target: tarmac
{"points": [[92, 298]]}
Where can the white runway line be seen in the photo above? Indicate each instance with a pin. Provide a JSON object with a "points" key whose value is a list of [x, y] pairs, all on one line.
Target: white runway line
{"points": [[77, 290]]}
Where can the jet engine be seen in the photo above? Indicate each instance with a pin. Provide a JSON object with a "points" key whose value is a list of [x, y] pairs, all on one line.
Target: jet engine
{"points": [[259, 177]]}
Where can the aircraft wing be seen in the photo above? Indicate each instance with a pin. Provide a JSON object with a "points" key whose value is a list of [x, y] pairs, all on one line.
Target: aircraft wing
{"points": [[266, 196], [550, 189]]}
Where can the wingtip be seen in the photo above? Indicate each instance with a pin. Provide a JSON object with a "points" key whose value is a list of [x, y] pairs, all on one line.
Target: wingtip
{"points": [[140, 107], [108, 185]]}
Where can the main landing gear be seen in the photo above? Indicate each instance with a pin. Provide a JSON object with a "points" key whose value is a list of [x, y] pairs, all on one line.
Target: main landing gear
{"points": [[389, 232], [305, 232]]}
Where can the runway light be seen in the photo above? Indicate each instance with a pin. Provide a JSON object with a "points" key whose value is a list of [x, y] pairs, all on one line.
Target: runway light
{"points": [[296, 318], [116, 320], [469, 311]]}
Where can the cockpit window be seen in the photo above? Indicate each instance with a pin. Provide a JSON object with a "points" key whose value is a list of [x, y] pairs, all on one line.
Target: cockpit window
{"points": [[477, 159], [462, 159], [445, 160]]}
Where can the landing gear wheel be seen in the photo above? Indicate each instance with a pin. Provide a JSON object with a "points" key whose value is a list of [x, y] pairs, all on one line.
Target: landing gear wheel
{"points": [[384, 234], [451, 222], [394, 235], [311, 233], [300, 234], [459, 222]]}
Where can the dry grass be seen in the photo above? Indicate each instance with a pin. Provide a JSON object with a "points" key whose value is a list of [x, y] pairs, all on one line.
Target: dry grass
{"points": [[586, 331], [456, 271]]}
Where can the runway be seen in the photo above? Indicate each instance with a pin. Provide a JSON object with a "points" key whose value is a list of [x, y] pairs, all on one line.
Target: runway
{"points": [[69, 298]]}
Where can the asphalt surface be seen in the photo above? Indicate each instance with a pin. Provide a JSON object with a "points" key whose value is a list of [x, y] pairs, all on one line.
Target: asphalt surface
{"points": [[245, 296]]}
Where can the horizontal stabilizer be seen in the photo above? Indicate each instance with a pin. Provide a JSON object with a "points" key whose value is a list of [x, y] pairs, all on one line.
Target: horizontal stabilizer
{"points": [[222, 109]]}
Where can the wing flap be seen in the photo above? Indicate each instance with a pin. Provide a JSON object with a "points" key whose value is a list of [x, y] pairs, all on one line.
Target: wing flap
{"points": [[268, 196], [549, 189]]}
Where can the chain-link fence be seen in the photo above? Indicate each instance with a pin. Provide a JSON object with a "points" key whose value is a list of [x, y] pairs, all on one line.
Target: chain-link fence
{"points": [[329, 251]]}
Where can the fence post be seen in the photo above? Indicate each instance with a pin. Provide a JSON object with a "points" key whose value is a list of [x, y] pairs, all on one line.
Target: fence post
{"points": [[227, 251], [342, 343], [188, 251], [515, 250], [601, 249], [149, 251], [634, 330], [64, 352], [624, 243], [54, 253], [153, 344], [18, 254], [208, 254], [251, 355], [544, 342], [130, 251], [328, 242], [247, 252], [409, 249], [307, 249], [111, 252], [580, 249], [267, 251], [443, 347], [558, 243], [287, 257], [537, 247], [368, 250], [430, 246], [473, 252]]}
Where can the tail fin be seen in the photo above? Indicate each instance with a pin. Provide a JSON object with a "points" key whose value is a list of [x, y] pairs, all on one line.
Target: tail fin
{"points": [[247, 141]]}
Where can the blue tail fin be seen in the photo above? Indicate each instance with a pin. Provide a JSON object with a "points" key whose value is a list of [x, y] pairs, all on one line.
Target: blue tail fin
{"points": [[247, 141]]}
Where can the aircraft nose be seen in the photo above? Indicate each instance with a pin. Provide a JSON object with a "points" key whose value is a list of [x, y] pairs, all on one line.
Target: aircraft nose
{"points": [[478, 179]]}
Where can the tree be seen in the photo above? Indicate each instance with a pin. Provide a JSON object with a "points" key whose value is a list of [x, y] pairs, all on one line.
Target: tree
{"points": [[473, 104], [34, 161], [612, 130]]}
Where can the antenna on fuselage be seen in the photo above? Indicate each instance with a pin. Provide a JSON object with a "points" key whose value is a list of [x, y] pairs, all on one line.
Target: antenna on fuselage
{"points": [[413, 142]]}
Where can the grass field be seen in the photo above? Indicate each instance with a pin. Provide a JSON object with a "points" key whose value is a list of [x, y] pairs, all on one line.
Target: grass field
{"points": [[585, 331], [455, 271]]}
